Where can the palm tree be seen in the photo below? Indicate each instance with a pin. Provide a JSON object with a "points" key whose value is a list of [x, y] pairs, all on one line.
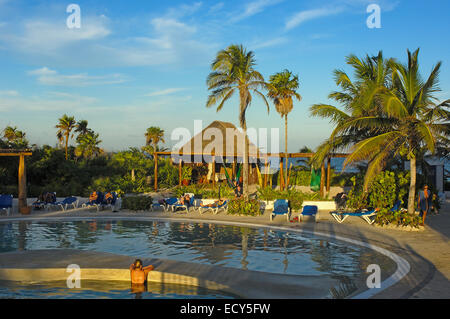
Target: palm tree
{"points": [[88, 145], [14, 137], [65, 127], [12, 134], [154, 135], [361, 105], [233, 70], [282, 89], [415, 120], [305, 164], [82, 128]]}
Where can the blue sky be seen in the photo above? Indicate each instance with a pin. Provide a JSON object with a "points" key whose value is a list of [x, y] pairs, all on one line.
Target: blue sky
{"points": [[136, 64]]}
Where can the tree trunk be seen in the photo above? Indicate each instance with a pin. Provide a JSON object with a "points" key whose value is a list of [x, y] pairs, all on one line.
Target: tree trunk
{"points": [[412, 187], [245, 165], [286, 152], [242, 108], [67, 145]]}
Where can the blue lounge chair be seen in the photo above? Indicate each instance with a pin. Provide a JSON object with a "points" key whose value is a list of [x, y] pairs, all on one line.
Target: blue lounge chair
{"points": [[183, 207], [111, 203], [308, 210], [367, 215], [94, 203], [168, 202], [72, 200], [281, 207], [6, 203], [214, 207]]}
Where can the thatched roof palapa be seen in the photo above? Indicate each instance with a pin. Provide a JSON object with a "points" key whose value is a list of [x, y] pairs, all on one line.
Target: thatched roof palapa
{"points": [[221, 139]]}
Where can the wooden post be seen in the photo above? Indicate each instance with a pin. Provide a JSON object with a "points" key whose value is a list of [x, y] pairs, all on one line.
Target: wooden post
{"points": [[179, 171], [281, 174], [155, 157], [22, 183], [214, 171], [328, 174], [233, 173], [266, 164], [322, 178]]}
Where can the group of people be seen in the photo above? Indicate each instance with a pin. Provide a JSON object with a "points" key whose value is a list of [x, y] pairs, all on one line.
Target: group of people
{"points": [[44, 199], [108, 198]]}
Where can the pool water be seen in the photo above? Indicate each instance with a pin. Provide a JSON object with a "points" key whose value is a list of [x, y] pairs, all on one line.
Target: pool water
{"points": [[246, 248], [106, 290]]}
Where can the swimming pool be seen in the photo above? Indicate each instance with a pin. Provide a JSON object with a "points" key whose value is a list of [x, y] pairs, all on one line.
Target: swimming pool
{"points": [[247, 248]]}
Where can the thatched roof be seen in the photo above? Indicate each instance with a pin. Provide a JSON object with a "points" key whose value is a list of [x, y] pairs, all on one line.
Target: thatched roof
{"points": [[222, 139]]}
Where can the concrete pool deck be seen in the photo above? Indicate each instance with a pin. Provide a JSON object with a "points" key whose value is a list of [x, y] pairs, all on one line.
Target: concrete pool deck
{"points": [[427, 251]]}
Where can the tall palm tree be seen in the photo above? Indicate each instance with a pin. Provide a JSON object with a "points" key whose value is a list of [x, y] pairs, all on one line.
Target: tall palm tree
{"points": [[282, 90], [360, 102], [233, 71], [65, 126], [154, 135], [88, 145], [415, 120]]}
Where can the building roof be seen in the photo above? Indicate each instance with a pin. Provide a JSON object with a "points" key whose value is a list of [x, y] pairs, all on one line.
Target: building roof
{"points": [[221, 139]]}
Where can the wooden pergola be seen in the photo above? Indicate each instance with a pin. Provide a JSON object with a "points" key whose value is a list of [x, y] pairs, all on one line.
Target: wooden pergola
{"points": [[22, 189], [261, 157]]}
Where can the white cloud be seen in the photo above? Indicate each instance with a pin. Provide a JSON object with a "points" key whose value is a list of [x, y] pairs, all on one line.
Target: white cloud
{"points": [[47, 76], [268, 43], [45, 37], [216, 7], [255, 7], [166, 92], [306, 15], [184, 9], [9, 93]]}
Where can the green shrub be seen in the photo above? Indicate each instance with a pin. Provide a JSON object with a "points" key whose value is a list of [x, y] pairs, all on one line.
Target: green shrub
{"points": [[241, 206], [386, 188], [136, 203], [399, 218]]}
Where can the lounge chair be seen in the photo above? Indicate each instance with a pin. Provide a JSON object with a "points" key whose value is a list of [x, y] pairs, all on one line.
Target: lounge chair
{"points": [[183, 207], [68, 201], [214, 207], [367, 215], [45, 201], [281, 207], [94, 203], [308, 210], [105, 203], [168, 202], [6, 203]]}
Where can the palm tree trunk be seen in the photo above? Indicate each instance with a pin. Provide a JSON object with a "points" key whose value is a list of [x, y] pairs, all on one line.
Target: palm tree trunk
{"points": [[412, 187], [285, 152], [245, 165], [243, 124], [67, 145]]}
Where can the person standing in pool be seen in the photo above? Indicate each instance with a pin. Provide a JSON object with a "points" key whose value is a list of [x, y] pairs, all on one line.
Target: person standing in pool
{"points": [[139, 273]]}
